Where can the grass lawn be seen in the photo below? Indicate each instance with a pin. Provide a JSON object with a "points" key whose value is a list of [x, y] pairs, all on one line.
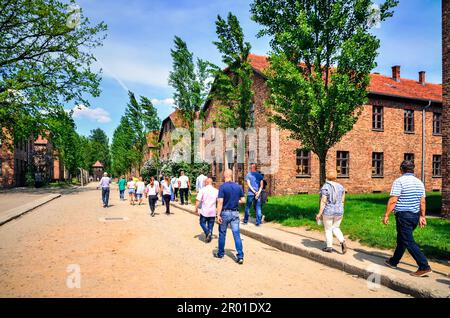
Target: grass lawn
{"points": [[362, 220]]}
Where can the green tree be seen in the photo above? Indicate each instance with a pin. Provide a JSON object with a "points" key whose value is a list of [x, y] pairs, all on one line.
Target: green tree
{"points": [[233, 86], [143, 118], [99, 149], [65, 139], [149, 113], [45, 61], [322, 54], [191, 83], [122, 147]]}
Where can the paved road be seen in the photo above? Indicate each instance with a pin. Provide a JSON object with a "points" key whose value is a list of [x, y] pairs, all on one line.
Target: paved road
{"points": [[142, 256]]}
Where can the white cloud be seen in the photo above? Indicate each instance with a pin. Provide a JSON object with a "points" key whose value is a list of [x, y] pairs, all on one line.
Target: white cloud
{"points": [[164, 102], [99, 115], [128, 64]]}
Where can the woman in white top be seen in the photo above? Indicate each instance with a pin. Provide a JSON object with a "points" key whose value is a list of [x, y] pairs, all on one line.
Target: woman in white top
{"points": [[151, 191], [166, 193], [140, 188], [131, 186]]}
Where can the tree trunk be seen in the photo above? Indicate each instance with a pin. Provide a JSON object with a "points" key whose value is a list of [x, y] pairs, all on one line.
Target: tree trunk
{"points": [[323, 168]]}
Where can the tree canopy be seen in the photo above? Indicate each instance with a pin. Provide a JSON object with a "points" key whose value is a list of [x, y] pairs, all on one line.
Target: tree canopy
{"points": [[322, 53]]}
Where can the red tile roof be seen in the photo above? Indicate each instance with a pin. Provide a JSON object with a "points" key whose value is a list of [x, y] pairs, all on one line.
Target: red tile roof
{"points": [[379, 84], [98, 164]]}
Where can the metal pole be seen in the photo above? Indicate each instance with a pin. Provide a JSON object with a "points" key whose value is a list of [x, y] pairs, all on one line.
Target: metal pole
{"points": [[423, 139]]}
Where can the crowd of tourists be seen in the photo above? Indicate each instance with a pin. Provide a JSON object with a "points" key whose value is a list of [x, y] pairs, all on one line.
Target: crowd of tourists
{"points": [[221, 205]]}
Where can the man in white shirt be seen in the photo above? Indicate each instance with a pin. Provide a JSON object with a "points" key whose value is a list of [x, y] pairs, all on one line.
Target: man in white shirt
{"points": [[184, 186], [174, 182], [200, 182], [207, 198]]}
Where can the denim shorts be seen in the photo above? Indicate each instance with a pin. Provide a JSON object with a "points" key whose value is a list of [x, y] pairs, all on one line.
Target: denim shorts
{"points": [[131, 191], [138, 195]]}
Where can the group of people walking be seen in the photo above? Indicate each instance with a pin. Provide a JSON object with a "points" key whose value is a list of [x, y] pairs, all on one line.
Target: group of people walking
{"points": [[168, 188], [407, 200]]}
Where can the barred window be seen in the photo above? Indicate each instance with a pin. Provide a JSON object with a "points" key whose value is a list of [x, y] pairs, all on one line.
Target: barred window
{"points": [[409, 157], [377, 164], [437, 166], [342, 163], [437, 123], [409, 120], [303, 162], [377, 118]]}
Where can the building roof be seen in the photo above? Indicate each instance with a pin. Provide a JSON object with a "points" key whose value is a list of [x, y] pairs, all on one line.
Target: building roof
{"points": [[97, 164], [41, 140], [177, 120], [379, 84]]}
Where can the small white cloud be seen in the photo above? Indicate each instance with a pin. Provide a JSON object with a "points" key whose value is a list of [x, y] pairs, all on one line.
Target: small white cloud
{"points": [[94, 114], [165, 102]]}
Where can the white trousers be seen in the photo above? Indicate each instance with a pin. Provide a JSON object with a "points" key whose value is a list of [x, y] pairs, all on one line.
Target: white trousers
{"points": [[331, 224]]}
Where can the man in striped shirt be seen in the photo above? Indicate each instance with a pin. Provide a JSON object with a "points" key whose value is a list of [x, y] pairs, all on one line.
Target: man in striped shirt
{"points": [[408, 202]]}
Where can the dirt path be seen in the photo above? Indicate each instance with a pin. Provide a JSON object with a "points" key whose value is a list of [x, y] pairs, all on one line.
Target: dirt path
{"points": [[162, 256]]}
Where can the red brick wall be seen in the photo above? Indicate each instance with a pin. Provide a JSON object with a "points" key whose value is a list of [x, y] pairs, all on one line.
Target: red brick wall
{"points": [[446, 106], [360, 143], [166, 147], [7, 164]]}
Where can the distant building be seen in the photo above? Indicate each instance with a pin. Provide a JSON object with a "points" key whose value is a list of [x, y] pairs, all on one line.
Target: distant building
{"points": [[172, 122], [14, 161], [152, 145], [33, 156], [97, 170]]}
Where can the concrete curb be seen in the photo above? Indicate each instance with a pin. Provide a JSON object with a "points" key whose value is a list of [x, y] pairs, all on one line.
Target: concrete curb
{"points": [[21, 210], [390, 281]]}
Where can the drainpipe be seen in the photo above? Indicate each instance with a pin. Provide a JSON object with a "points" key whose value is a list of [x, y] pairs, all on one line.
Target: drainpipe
{"points": [[423, 139]]}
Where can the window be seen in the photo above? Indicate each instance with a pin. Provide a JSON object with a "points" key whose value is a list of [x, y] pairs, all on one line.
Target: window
{"points": [[409, 156], [377, 118], [342, 163], [437, 171], [409, 121], [437, 123], [303, 162], [377, 164]]}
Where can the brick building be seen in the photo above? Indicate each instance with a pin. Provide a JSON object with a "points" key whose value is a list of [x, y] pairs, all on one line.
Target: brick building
{"points": [[446, 106], [367, 159], [172, 122], [97, 170], [15, 162], [152, 145]]}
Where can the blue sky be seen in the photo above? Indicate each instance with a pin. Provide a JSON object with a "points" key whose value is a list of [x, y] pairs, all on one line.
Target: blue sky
{"points": [[136, 53]]}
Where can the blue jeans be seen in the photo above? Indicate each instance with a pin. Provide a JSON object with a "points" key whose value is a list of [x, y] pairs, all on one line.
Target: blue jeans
{"points": [[250, 200], [232, 218], [105, 196], [406, 224], [207, 224], [122, 194]]}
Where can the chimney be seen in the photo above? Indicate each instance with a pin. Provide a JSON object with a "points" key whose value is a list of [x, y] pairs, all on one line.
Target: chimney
{"points": [[422, 77], [396, 73]]}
